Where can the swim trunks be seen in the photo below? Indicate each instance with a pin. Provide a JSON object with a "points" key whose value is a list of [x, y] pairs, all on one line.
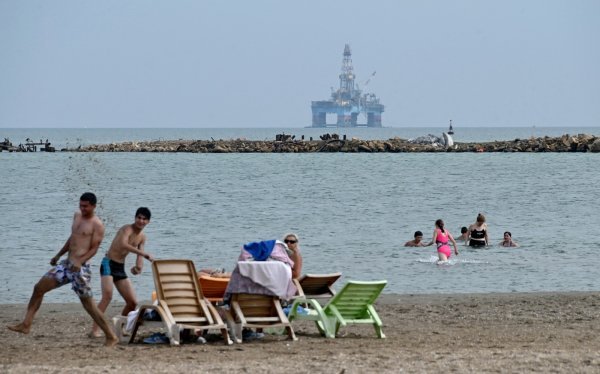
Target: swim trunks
{"points": [[112, 268], [476, 243], [80, 281]]}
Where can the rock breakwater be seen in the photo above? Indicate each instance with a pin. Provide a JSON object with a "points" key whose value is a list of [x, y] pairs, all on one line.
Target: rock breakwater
{"points": [[565, 143]]}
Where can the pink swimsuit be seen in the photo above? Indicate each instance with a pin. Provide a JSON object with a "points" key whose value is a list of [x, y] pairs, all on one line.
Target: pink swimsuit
{"points": [[441, 240]]}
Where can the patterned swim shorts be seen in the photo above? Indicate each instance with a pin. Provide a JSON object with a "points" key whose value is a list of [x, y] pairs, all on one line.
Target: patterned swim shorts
{"points": [[80, 281]]}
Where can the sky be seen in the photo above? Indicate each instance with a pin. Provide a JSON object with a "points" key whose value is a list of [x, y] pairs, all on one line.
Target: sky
{"points": [[143, 63]]}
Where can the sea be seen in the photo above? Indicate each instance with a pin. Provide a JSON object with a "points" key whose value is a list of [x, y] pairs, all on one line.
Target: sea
{"points": [[352, 212]]}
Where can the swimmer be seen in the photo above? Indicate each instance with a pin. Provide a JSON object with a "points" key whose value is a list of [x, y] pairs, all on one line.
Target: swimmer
{"points": [[441, 237], [507, 241], [417, 241], [464, 235], [478, 232]]}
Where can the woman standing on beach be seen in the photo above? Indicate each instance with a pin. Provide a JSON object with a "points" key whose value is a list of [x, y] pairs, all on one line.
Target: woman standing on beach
{"points": [[441, 236], [478, 232]]}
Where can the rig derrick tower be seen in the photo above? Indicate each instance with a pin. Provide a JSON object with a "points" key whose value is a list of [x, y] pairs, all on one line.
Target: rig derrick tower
{"points": [[348, 101]]}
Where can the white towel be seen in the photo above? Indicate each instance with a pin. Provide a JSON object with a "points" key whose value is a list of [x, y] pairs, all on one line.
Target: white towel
{"points": [[273, 275], [131, 317]]}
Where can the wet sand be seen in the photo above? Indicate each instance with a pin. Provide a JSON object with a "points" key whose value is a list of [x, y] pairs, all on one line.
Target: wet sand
{"points": [[538, 332]]}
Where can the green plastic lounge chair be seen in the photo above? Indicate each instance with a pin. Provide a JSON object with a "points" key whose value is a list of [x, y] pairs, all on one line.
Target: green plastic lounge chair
{"points": [[352, 304]]}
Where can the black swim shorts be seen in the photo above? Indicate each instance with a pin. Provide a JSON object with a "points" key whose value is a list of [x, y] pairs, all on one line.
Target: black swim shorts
{"points": [[112, 268]]}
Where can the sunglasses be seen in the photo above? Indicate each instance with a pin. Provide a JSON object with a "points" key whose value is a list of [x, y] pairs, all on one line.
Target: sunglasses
{"points": [[287, 241]]}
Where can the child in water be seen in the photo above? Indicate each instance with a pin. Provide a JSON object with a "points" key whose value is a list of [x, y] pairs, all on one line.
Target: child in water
{"points": [[441, 236], [417, 242], [464, 235], [507, 241]]}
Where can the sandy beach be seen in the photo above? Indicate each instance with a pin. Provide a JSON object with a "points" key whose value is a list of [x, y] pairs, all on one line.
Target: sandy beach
{"points": [[539, 332]]}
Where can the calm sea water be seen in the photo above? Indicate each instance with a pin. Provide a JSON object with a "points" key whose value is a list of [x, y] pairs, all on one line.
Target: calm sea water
{"points": [[353, 212]]}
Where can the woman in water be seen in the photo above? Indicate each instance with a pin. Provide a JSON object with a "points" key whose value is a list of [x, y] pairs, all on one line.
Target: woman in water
{"points": [[507, 241], [441, 236], [478, 232]]}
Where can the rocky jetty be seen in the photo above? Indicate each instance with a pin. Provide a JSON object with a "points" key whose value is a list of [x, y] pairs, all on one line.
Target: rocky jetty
{"points": [[565, 143]]}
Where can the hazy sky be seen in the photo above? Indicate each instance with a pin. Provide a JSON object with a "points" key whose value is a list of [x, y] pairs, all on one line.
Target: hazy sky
{"points": [[259, 63]]}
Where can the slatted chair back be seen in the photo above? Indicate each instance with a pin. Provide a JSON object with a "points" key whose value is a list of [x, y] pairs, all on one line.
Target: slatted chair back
{"points": [[353, 300], [177, 286], [317, 286]]}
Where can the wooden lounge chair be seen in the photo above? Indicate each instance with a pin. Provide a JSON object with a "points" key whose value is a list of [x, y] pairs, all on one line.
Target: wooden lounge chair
{"points": [[256, 311], [317, 286], [181, 304], [352, 304], [213, 288]]}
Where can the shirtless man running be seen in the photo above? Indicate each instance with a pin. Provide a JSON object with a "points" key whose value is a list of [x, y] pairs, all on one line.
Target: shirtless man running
{"points": [[86, 235], [129, 239]]}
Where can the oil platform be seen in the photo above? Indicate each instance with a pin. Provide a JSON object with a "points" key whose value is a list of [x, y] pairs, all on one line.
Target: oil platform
{"points": [[348, 101]]}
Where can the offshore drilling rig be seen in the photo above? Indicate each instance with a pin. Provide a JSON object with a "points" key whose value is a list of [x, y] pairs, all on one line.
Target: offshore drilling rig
{"points": [[348, 101]]}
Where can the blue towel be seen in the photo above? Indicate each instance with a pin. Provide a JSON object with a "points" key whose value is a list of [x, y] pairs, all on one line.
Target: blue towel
{"points": [[157, 338], [260, 251]]}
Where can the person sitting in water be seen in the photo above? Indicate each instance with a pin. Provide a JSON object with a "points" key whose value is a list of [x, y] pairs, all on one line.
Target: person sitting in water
{"points": [[478, 232], [464, 234], [507, 241], [417, 241]]}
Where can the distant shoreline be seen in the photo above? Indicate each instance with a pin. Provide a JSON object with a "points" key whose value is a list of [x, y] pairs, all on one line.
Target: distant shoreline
{"points": [[565, 143]]}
